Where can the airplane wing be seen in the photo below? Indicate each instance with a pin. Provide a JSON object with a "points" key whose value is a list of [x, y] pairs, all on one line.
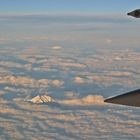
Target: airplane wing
{"points": [[131, 99], [135, 13]]}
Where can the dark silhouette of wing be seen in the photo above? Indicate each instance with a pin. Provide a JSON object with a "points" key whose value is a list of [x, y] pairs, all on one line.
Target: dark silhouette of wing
{"points": [[131, 99], [135, 13]]}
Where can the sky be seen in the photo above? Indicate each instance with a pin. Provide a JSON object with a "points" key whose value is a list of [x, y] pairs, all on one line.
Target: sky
{"points": [[96, 27], [67, 6]]}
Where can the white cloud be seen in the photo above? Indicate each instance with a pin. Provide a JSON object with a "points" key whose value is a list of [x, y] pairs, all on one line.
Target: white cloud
{"points": [[29, 82], [80, 80], [87, 100], [56, 83], [56, 47]]}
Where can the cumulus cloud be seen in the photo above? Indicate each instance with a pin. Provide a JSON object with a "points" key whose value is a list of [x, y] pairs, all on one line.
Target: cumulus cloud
{"points": [[87, 100], [16, 90], [71, 64], [56, 47], [9, 64], [80, 80], [108, 79], [119, 73], [15, 80], [28, 81], [56, 83]]}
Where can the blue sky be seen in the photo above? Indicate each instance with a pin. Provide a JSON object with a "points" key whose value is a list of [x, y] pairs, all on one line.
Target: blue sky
{"points": [[67, 6]]}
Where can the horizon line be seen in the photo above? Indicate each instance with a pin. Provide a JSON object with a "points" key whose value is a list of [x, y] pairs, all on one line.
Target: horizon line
{"points": [[64, 14]]}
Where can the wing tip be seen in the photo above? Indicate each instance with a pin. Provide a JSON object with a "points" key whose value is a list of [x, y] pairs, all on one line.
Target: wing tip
{"points": [[130, 99]]}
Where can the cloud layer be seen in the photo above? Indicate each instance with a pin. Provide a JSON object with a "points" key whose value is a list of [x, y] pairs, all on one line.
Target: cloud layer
{"points": [[78, 60]]}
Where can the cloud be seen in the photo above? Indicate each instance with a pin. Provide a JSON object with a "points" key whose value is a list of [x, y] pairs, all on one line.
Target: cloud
{"points": [[70, 94], [16, 90], [71, 64], [79, 80], [22, 120], [33, 38], [90, 123], [4, 40], [29, 82], [10, 64], [119, 73], [56, 47], [56, 83], [109, 41], [87, 100]]}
